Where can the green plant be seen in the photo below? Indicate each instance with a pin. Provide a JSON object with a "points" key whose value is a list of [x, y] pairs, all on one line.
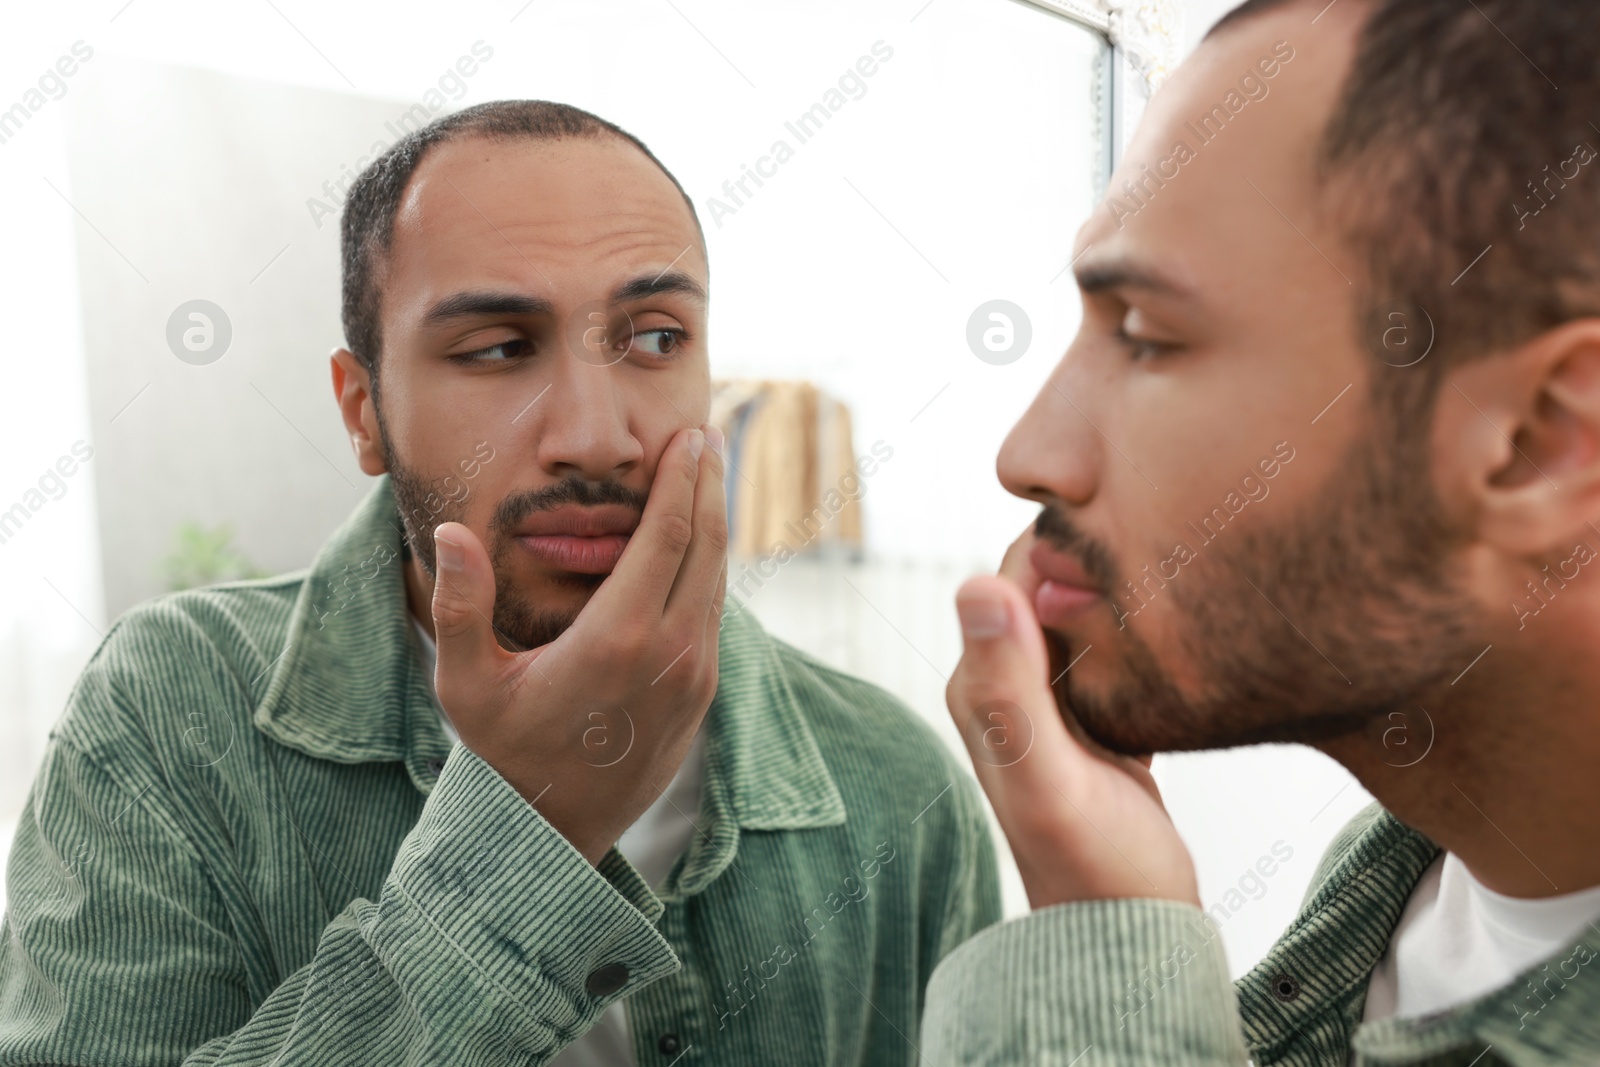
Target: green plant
{"points": [[204, 557]]}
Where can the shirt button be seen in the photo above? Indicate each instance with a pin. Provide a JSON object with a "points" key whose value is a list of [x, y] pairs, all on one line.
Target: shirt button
{"points": [[668, 1044], [435, 766], [603, 981], [1285, 988]]}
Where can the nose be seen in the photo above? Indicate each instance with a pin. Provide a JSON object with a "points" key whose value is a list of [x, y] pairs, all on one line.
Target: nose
{"points": [[1053, 453], [586, 422]]}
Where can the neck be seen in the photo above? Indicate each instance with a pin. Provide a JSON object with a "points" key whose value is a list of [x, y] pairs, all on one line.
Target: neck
{"points": [[1508, 782]]}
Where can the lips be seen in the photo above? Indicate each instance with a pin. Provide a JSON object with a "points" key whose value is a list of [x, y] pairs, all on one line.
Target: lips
{"points": [[580, 540], [1067, 591]]}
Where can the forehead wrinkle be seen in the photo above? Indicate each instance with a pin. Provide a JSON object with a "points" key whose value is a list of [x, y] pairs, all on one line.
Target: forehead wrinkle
{"points": [[558, 235], [515, 247]]}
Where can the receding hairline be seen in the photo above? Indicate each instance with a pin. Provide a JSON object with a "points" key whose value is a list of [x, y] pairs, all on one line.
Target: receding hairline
{"points": [[383, 247]]}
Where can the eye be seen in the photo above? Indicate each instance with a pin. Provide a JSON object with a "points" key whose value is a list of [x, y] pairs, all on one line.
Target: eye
{"points": [[1140, 349], [662, 343], [503, 352]]}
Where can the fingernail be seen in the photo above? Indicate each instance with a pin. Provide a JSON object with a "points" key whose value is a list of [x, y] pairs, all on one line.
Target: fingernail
{"points": [[714, 435], [697, 443], [982, 618], [450, 555]]}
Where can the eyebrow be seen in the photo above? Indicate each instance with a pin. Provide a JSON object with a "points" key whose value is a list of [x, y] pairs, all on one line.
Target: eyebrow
{"points": [[473, 303], [668, 281], [1122, 274]]}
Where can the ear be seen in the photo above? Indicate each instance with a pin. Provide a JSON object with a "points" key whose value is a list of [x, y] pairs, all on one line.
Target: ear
{"points": [[352, 388], [1519, 435]]}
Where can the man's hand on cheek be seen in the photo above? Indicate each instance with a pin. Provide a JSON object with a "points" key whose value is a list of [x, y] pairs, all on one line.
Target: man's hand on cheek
{"points": [[591, 726], [1083, 824]]}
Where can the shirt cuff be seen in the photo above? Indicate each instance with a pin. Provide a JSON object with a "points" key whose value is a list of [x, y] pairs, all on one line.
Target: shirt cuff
{"points": [[1141, 981], [488, 909]]}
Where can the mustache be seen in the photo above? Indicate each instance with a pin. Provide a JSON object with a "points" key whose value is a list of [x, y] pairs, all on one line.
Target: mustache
{"points": [[573, 489], [1055, 529]]}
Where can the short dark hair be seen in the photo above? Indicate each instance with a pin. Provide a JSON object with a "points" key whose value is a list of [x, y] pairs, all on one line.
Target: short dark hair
{"points": [[1449, 135], [366, 228]]}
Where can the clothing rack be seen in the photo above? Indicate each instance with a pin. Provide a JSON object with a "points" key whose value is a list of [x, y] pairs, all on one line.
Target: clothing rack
{"points": [[791, 468]]}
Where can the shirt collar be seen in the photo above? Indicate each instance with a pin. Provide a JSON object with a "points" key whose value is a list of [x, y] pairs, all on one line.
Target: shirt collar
{"points": [[1327, 960], [349, 687], [1323, 963]]}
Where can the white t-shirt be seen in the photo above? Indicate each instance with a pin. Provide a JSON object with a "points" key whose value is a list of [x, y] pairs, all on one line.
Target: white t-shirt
{"points": [[1458, 939], [652, 844]]}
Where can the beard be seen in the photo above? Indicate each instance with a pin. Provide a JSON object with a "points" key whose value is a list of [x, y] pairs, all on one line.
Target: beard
{"points": [[519, 621], [1302, 631]]}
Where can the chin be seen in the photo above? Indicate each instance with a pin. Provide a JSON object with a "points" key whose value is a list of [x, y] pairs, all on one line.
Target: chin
{"points": [[579, 585], [534, 610]]}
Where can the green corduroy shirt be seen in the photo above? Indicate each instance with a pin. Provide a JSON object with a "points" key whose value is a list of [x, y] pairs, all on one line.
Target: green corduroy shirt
{"points": [[1136, 982], [251, 842]]}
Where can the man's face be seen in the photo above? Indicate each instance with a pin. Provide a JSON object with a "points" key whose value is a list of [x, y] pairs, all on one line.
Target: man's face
{"points": [[544, 336], [1227, 538]]}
